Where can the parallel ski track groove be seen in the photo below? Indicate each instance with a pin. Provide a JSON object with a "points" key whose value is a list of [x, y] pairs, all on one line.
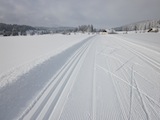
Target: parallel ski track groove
{"points": [[64, 84], [56, 81], [59, 80]]}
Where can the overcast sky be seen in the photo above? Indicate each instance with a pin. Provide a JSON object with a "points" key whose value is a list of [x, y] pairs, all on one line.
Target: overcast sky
{"points": [[100, 13]]}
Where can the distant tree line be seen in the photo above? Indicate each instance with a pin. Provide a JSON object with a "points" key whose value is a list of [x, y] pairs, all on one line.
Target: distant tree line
{"points": [[14, 30], [85, 28]]}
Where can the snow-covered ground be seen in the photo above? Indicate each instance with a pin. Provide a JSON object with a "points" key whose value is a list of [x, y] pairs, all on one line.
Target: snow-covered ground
{"points": [[97, 77], [18, 50], [21, 53], [148, 40]]}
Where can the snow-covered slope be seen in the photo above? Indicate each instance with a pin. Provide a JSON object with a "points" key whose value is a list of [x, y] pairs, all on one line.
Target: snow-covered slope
{"points": [[102, 77]]}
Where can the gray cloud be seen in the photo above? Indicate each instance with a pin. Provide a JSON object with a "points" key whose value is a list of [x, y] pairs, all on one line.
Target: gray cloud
{"points": [[101, 13]]}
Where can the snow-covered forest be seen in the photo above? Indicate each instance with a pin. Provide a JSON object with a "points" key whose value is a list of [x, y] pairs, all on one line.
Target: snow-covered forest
{"points": [[142, 26], [19, 30]]}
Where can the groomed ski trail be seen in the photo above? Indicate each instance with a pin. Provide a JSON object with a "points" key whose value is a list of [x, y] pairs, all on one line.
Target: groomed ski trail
{"points": [[105, 78], [57, 90]]}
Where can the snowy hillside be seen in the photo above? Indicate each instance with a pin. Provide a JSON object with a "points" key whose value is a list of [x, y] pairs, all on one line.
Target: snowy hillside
{"points": [[143, 25], [80, 77]]}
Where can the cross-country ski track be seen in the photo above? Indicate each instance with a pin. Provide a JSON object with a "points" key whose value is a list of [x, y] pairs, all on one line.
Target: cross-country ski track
{"points": [[104, 77]]}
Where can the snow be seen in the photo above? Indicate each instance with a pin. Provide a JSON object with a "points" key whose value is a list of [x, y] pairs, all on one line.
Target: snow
{"points": [[15, 51], [149, 40], [96, 77], [22, 53]]}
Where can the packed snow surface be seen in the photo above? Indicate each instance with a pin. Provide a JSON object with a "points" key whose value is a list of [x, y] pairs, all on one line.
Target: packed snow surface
{"points": [[97, 77]]}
